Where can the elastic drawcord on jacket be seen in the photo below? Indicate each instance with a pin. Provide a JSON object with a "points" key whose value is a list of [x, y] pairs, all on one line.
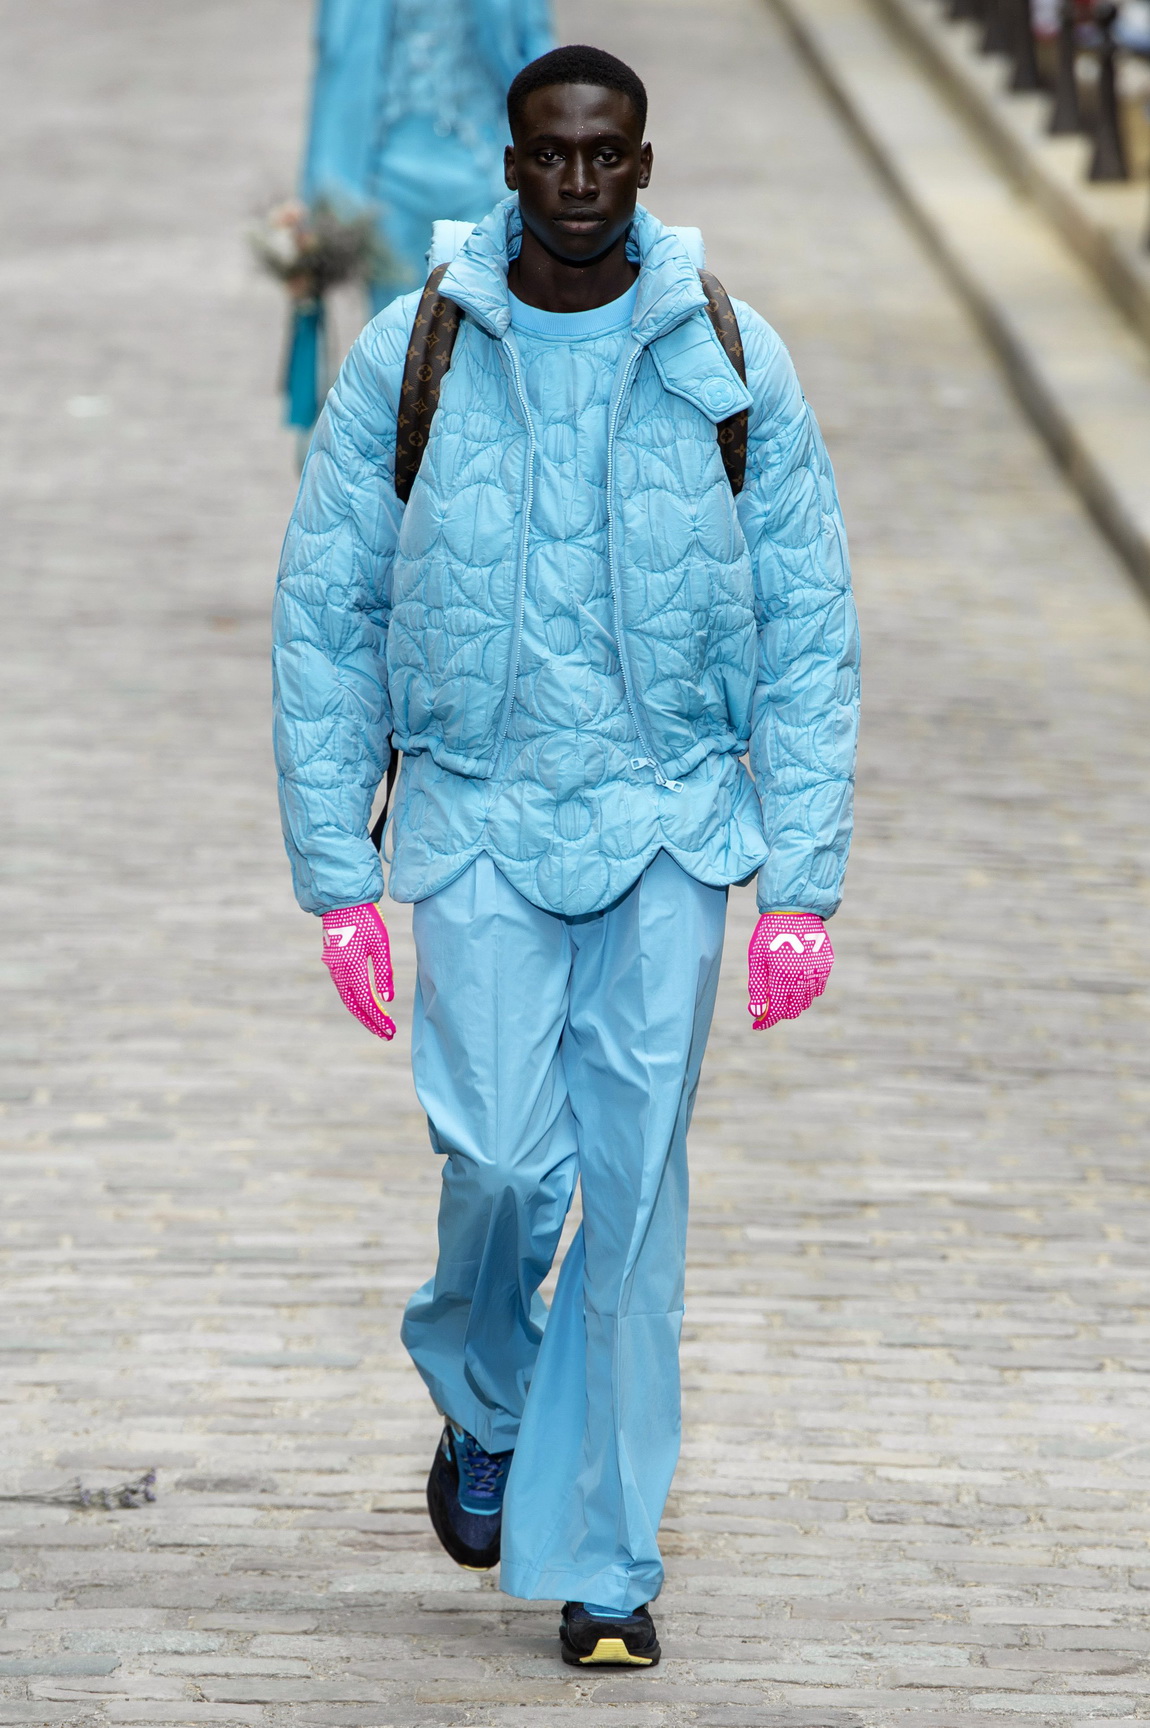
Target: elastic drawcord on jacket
{"points": [[661, 778]]}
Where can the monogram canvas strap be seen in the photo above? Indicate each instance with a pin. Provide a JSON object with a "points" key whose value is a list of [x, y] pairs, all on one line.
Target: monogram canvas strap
{"points": [[428, 357], [732, 432]]}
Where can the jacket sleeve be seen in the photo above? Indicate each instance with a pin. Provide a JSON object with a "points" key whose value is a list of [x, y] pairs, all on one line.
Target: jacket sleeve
{"points": [[805, 716], [332, 715]]}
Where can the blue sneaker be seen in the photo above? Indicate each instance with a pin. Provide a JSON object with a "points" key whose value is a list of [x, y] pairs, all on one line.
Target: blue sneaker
{"points": [[465, 1498]]}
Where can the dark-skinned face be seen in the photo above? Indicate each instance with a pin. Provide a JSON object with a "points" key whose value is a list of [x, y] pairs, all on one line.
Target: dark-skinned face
{"points": [[578, 164]]}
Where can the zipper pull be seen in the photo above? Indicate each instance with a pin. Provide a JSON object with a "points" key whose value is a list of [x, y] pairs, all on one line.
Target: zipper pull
{"points": [[660, 777]]}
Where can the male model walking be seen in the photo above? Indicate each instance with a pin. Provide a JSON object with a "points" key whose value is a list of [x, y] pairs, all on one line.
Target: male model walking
{"points": [[619, 569]]}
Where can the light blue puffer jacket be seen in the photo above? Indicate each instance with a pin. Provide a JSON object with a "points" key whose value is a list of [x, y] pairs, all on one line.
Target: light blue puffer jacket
{"points": [[735, 625]]}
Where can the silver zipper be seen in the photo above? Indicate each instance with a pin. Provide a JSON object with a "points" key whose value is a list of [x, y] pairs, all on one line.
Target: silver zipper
{"points": [[642, 730], [660, 778], [512, 358]]}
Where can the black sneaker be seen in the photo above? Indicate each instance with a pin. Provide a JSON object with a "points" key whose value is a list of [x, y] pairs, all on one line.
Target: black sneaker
{"points": [[586, 1640], [465, 1498]]}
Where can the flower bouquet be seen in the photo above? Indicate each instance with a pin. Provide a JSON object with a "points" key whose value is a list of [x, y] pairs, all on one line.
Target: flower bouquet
{"points": [[311, 249]]}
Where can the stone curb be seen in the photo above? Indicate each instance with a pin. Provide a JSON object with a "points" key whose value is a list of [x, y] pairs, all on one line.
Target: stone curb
{"points": [[1078, 367]]}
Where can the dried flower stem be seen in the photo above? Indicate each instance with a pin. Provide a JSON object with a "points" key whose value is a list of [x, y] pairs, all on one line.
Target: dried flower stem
{"points": [[313, 249]]}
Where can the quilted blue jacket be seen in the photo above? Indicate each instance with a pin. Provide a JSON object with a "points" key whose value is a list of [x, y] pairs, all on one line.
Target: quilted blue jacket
{"points": [[734, 620]]}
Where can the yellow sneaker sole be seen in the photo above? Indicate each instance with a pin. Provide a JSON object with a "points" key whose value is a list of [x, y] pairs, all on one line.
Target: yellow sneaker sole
{"points": [[614, 1651]]}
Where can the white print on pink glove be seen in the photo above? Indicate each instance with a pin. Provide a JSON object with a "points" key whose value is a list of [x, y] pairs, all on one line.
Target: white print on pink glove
{"points": [[790, 960], [358, 955]]}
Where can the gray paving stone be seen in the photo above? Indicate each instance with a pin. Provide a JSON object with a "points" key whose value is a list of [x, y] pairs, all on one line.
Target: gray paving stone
{"points": [[38, 1712], [59, 1664], [148, 1714]]}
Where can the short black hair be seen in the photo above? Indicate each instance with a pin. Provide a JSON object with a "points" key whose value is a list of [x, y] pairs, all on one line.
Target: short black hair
{"points": [[576, 64]]}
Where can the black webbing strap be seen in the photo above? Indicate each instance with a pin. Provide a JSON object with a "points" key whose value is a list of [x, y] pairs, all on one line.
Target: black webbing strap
{"points": [[380, 822]]}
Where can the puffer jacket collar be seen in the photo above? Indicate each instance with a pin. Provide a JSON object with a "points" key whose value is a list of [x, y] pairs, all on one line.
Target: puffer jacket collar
{"points": [[689, 356], [476, 278]]}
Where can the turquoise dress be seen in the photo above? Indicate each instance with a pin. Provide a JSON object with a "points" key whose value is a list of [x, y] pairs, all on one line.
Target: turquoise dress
{"points": [[408, 113]]}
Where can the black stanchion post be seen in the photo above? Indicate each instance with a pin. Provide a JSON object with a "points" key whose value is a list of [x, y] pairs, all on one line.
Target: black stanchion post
{"points": [[996, 36], [1066, 114], [1026, 75], [1109, 159]]}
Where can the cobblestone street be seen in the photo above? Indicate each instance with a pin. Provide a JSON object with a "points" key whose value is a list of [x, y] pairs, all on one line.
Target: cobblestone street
{"points": [[917, 1442]]}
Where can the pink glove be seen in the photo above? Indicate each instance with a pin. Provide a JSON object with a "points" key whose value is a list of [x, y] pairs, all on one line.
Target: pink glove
{"points": [[790, 959], [357, 954]]}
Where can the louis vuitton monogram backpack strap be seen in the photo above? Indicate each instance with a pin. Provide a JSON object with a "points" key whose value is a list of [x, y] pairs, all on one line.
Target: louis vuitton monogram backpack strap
{"points": [[429, 356], [732, 432]]}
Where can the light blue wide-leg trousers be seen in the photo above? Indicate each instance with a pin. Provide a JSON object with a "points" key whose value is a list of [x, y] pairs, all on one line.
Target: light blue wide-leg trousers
{"points": [[548, 1050]]}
